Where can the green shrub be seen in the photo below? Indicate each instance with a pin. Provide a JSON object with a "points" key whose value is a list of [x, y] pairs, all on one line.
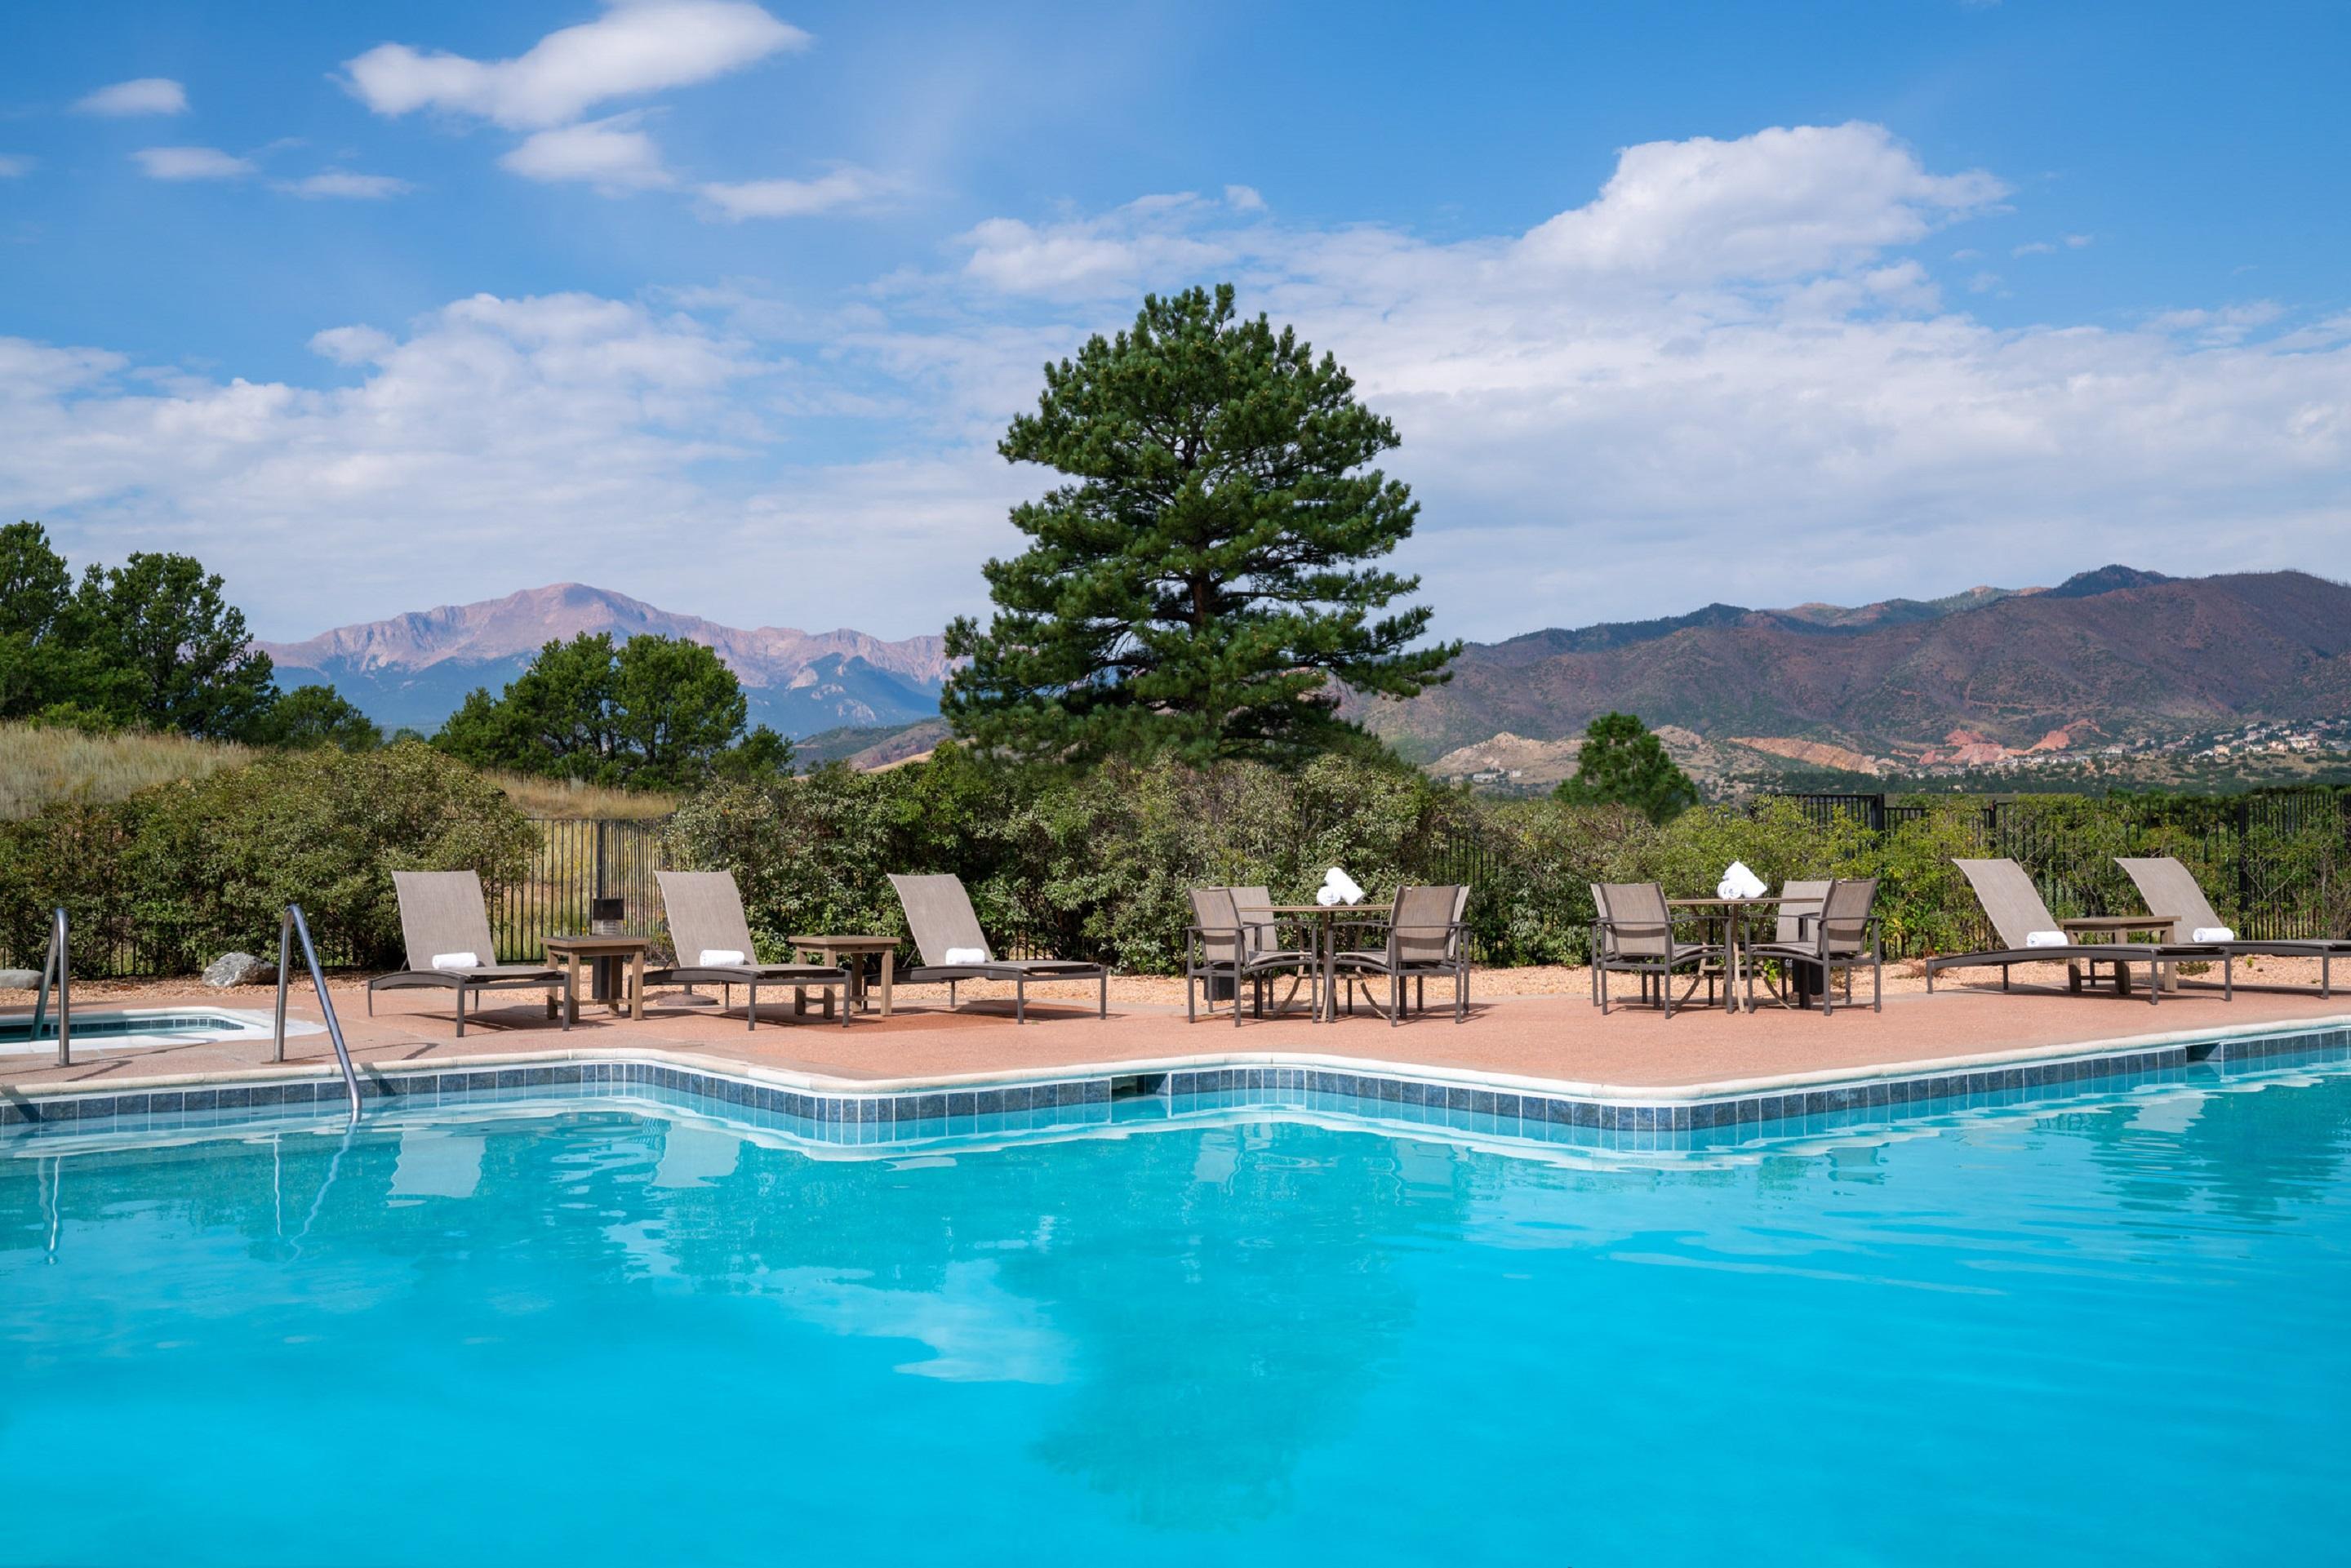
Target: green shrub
{"points": [[1095, 864], [189, 869]]}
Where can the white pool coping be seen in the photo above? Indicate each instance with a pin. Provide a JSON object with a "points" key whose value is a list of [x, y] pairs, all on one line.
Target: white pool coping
{"points": [[251, 1023]]}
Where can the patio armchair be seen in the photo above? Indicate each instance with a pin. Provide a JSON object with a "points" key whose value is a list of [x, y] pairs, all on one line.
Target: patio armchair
{"points": [[1800, 904], [1425, 937], [712, 941], [2170, 889], [2014, 908], [1634, 934], [954, 949], [1841, 934], [1224, 944], [444, 924]]}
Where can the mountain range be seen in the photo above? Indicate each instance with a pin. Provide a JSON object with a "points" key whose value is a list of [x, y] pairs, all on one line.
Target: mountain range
{"points": [[2112, 656], [415, 670], [2109, 656]]}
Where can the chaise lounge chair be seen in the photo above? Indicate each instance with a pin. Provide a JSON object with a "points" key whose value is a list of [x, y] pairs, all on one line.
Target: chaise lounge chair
{"points": [[2170, 890], [446, 927], [938, 914], [713, 941], [2017, 914]]}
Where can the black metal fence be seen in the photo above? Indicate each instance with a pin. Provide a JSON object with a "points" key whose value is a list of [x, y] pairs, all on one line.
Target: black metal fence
{"points": [[2272, 863], [578, 861]]}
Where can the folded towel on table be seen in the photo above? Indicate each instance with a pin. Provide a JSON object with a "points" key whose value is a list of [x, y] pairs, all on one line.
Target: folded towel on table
{"points": [[2047, 939], [455, 961], [1739, 882], [2211, 933], [722, 957], [1343, 884], [963, 957]]}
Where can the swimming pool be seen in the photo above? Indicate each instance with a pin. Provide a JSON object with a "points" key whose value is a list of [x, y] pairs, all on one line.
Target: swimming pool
{"points": [[604, 1330]]}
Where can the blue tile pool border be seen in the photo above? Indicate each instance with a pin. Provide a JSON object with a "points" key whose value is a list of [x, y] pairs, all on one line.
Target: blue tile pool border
{"points": [[910, 1116]]}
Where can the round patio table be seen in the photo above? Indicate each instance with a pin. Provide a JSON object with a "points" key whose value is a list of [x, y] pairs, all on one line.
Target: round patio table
{"points": [[1733, 916], [1325, 919]]}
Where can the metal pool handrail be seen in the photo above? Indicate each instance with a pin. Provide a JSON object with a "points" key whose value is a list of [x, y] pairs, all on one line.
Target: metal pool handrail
{"points": [[57, 962], [288, 929]]}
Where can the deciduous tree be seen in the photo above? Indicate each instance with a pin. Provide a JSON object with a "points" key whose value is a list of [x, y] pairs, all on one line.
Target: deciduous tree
{"points": [[652, 712]]}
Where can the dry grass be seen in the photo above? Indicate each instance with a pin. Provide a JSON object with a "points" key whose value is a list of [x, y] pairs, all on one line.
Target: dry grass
{"points": [[38, 764], [565, 798]]}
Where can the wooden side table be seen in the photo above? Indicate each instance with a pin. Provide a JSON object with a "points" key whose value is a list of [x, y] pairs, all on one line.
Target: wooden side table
{"points": [[569, 951], [2118, 929], [854, 951]]}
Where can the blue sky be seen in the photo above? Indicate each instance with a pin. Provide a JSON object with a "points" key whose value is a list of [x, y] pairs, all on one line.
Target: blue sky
{"points": [[1826, 301]]}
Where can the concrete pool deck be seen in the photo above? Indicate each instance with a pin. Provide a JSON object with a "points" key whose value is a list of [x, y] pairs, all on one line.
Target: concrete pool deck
{"points": [[1555, 1041]]}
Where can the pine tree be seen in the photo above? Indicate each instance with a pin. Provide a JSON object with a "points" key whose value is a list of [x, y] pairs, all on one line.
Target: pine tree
{"points": [[1622, 764], [1199, 584]]}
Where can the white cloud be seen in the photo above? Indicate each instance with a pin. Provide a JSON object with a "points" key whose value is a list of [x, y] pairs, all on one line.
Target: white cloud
{"points": [[2051, 248], [631, 50], [612, 154], [146, 95], [1779, 203], [796, 198], [1244, 199], [190, 163], [2228, 324], [1579, 424], [15, 165], [345, 185], [1115, 253]]}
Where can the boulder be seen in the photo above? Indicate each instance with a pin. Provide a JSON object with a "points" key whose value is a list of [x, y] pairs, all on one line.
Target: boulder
{"points": [[19, 979], [239, 970]]}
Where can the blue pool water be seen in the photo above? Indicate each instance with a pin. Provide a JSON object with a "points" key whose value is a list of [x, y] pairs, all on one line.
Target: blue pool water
{"points": [[592, 1333]]}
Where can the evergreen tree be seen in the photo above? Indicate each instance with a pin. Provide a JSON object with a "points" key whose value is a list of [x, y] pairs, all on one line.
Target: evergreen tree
{"points": [[1199, 587], [1622, 764]]}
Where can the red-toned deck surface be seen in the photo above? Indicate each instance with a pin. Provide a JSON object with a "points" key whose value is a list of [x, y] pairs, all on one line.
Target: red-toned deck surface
{"points": [[1559, 1038]]}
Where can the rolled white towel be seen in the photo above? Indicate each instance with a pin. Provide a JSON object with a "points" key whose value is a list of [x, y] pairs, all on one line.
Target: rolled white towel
{"points": [[2211, 933], [2047, 939], [722, 957], [1343, 884], [1739, 882], [1326, 895], [455, 961], [963, 958]]}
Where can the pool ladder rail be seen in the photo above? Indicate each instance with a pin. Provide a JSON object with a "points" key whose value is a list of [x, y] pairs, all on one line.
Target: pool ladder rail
{"points": [[55, 964], [291, 926]]}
